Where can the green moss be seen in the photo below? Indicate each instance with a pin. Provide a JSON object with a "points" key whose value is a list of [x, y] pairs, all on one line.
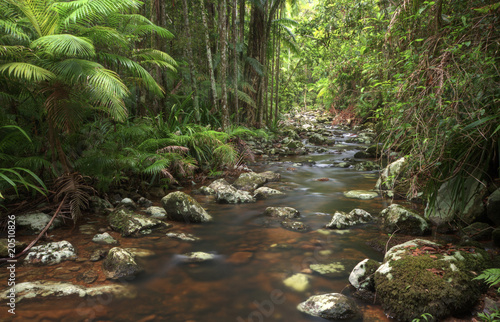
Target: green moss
{"points": [[422, 284]]}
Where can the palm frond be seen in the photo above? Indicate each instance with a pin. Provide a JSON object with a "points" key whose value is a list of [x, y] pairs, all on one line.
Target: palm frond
{"points": [[150, 54], [65, 45], [256, 65], [285, 22], [12, 29], [72, 188], [81, 11], [139, 25], [26, 72]]}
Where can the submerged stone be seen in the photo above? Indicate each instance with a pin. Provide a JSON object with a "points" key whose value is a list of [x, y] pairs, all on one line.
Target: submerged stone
{"points": [[295, 225], [298, 282], [282, 212], [104, 239], [328, 269], [197, 257], [41, 289], [266, 193], [361, 194], [183, 236]]}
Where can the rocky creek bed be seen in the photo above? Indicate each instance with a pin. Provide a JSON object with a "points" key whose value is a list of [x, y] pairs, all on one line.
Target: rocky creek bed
{"points": [[280, 243]]}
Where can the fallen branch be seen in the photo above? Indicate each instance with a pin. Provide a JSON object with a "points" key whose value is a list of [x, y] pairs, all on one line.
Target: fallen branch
{"points": [[39, 235]]}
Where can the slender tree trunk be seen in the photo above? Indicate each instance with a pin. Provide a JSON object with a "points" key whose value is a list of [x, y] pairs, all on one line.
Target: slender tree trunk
{"points": [[272, 80], [192, 68], [235, 62], [209, 56], [278, 53], [223, 66]]}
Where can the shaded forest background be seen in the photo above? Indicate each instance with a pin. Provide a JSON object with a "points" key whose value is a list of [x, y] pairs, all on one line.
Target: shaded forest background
{"points": [[102, 94]]}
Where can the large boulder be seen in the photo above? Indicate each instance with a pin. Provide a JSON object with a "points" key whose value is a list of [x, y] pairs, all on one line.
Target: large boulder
{"points": [[333, 306], [182, 207], [361, 194], [466, 205], [128, 223], [390, 177], [420, 276], [249, 181], [120, 264], [493, 207], [396, 217], [342, 220], [51, 253]]}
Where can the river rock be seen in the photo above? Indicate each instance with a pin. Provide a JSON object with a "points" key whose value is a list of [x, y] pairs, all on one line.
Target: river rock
{"points": [[51, 253], [120, 264], [332, 306], [41, 289], [298, 282], [99, 205], [466, 207], [249, 181], [98, 254], [182, 207], [361, 194], [391, 175], [198, 257], [270, 176], [156, 212], [104, 239], [183, 236], [414, 280], [128, 223], [342, 220], [225, 193], [204, 190], [366, 166], [318, 139], [493, 207], [362, 278], [282, 212], [36, 222], [266, 193], [295, 225], [128, 203], [396, 217]]}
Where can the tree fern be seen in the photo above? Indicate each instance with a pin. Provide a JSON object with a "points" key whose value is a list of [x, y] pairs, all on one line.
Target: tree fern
{"points": [[490, 276]]}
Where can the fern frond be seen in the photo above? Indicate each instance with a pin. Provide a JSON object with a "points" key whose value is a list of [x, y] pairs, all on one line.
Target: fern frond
{"points": [[256, 65], [26, 72], [65, 45]]}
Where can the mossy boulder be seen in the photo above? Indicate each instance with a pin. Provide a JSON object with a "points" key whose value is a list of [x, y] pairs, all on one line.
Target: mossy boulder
{"points": [[128, 223], [249, 181], [420, 276], [270, 176], [120, 264], [182, 207], [396, 217]]}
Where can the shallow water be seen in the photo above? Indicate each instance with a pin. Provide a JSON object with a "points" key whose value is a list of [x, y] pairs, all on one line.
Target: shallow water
{"points": [[245, 282]]}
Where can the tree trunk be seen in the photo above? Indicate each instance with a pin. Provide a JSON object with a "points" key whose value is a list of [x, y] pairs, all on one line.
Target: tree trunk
{"points": [[223, 66], [235, 62], [192, 68], [209, 56]]}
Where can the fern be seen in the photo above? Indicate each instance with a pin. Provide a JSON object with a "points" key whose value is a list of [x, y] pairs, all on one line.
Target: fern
{"points": [[490, 276]]}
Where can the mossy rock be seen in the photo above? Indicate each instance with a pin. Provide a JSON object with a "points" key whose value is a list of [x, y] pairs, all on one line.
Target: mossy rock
{"points": [[128, 223], [398, 218], [411, 282], [182, 207]]}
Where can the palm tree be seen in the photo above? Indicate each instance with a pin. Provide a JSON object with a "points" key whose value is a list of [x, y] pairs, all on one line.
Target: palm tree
{"points": [[70, 57]]}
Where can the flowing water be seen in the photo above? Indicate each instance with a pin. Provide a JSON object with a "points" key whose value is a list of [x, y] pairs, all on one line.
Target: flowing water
{"points": [[254, 256]]}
